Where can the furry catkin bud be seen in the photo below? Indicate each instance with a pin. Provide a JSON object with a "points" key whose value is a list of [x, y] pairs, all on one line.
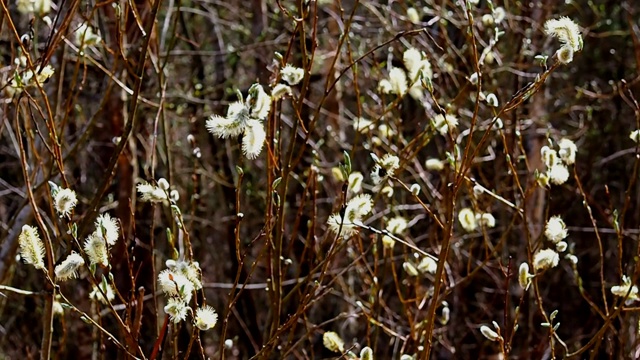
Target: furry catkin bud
{"points": [[108, 228], [291, 74], [488, 333], [31, 247], [64, 201], [566, 31], [279, 91], [564, 55], [355, 182], [545, 259], [366, 353], [467, 219], [524, 278], [69, 267], [555, 229], [96, 249], [206, 318], [253, 139], [333, 342], [175, 285], [151, 193], [176, 309]]}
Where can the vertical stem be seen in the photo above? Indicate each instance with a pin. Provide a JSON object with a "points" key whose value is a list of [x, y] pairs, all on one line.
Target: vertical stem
{"points": [[47, 317]]}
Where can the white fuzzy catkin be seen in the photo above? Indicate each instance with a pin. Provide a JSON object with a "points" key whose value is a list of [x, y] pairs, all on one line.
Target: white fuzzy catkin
{"points": [[358, 207], [292, 75], [489, 333], [31, 247], [555, 230], [398, 80], [333, 342], [384, 167], [65, 201], [96, 249], [434, 164], [564, 55], [626, 289], [174, 284], [176, 309], [545, 259], [558, 174], [253, 139], [259, 102], [397, 225], [280, 91], [566, 30], [69, 267], [108, 228], [190, 269], [467, 219], [524, 278], [445, 123], [568, 150], [206, 318], [355, 182], [85, 35], [486, 219], [151, 193]]}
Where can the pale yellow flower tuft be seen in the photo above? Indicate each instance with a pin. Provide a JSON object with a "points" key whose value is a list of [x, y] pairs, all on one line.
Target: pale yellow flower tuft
{"points": [[467, 219], [398, 80], [558, 174], [31, 247], [151, 193], [384, 167], [445, 123], [244, 118], [176, 309], [397, 225], [174, 284], [486, 219], [434, 164], [69, 267], [489, 333], [280, 91], [333, 342], [568, 150], [64, 201], [259, 102], [291, 74], [107, 227], [626, 289], [366, 353], [355, 182], [358, 207], [253, 139], [96, 249], [85, 35], [524, 278], [555, 229], [545, 259], [564, 55], [427, 265], [206, 318], [191, 270], [566, 30]]}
